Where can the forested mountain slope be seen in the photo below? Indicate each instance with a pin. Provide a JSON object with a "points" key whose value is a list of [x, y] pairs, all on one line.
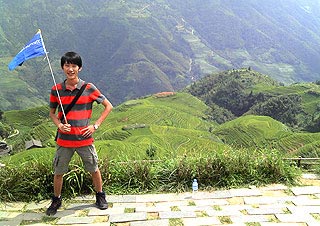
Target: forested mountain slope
{"points": [[235, 93], [139, 47]]}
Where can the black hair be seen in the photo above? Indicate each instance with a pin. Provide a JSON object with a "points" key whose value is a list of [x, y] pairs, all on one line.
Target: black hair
{"points": [[71, 58]]}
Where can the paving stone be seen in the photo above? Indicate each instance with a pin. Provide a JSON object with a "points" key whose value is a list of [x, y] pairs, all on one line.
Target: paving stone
{"points": [[237, 207], [306, 202], [294, 218], [9, 215], [171, 204], [313, 223], [211, 202], [160, 197], [304, 209], [41, 224], [153, 209], [109, 211], [17, 206], [306, 190], [267, 200], [249, 218], [244, 192], [122, 198], [200, 221], [64, 213], [127, 217], [75, 220], [87, 198], [35, 206], [310, 176], [195, 208], [3, 214], [265, 210], [223, 194], [91, 224], [274, 193], [221, 213], [127, 205], [259, 204], [238, 224], [274, 187], [10, 223], [281, 224], [163, 222], [30, 216], [80, 206], [176, 214]]}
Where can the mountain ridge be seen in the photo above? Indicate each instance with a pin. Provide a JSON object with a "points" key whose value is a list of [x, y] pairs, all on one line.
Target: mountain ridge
{"points": [[136, 48]]}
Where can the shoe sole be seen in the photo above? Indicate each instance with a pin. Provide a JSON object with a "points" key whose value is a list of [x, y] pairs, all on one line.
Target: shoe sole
{"points": [[101, 208]]}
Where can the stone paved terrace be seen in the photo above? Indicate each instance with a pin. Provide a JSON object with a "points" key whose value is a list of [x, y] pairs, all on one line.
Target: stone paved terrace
{"points": [[277, 205]]}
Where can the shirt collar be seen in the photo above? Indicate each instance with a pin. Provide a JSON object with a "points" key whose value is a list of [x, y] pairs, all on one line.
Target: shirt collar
{"points": [[80, 83]]}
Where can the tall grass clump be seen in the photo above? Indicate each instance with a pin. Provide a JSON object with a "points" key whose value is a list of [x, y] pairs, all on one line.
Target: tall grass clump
{"points": [[128, 176], [230, 168], [32, 180]]}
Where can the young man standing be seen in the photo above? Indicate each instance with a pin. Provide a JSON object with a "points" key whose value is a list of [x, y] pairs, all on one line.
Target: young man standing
{"points": [[75, 133]]}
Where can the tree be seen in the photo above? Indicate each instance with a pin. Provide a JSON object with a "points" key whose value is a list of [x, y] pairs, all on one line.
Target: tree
{"points": [[283, 108], [219, 114]]}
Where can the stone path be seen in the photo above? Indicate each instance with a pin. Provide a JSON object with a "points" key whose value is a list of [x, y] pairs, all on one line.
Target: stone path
{"points": [[277, 205]]}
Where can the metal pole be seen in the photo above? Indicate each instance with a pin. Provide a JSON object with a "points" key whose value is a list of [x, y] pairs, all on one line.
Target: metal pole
{"points": [[54, 80]]}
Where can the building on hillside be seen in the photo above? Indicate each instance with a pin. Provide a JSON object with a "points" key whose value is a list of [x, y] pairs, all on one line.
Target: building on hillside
{"points": [[33, 144], [4, 148]]}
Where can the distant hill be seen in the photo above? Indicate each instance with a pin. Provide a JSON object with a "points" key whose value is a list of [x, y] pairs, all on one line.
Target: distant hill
{"points": [[165, 126], [139, 47], [235, 93], [170, 124]]}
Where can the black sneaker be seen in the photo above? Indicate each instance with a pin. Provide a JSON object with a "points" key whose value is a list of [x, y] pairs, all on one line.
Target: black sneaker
{"points": [[101, 202], [55, 205]]}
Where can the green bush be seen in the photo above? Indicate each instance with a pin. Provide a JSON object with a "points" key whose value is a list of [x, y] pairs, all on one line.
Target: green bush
{"points": [[32, 180]]}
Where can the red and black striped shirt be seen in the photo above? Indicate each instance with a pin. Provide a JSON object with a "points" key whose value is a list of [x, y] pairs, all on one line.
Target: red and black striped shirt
{"points": [[80, 114]]}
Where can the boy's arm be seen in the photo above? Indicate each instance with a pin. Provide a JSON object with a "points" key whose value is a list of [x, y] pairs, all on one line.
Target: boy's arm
{"points": [[107, 109], [89, 130], [63, 127]]}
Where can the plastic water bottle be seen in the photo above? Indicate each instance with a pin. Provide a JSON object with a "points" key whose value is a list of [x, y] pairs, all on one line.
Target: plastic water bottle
{"points": [[194, 186]]}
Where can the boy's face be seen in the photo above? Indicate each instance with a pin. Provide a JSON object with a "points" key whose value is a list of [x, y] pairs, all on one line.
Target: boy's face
{"points": [[71, 70]]}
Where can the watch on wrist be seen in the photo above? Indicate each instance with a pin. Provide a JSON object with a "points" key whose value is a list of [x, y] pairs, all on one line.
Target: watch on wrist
{"points": [[95, 126]]}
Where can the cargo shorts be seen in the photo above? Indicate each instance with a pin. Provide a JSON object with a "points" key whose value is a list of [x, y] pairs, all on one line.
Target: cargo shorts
{"points": [[63, 157]]}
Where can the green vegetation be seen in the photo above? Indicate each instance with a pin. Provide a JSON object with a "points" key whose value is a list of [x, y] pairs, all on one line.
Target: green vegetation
{"points": [[235, 93], [139, 47], [224, 169], [175, 145]]}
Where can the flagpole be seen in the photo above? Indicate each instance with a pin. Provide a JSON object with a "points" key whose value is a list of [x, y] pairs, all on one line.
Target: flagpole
{"points": [[54, 80]]}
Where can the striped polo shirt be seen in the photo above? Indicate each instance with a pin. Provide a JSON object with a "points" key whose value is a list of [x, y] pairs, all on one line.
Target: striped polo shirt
{"points": [[80, 114]]}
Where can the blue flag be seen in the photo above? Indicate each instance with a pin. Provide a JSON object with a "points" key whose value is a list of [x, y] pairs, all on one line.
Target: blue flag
{"points": [[33, 48]]}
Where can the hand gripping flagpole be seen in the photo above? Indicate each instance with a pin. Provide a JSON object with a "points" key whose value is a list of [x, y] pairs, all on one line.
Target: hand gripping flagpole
{"points": [[54, 80]]}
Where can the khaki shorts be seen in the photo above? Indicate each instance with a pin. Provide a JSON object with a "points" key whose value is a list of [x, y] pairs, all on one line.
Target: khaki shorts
{"points": [[63, 156]]}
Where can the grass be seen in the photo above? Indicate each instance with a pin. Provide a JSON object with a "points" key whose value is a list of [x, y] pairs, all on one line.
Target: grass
{"points": [[225, 169], [252, 131], [175, 222], [176, 139]]}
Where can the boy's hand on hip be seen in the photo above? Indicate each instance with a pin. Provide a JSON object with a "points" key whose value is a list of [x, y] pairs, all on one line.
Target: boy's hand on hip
{"points": [[88, 131], [64, 127]]}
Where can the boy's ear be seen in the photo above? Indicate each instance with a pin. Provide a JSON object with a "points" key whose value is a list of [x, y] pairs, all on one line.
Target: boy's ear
{"points": [[80, 68]]}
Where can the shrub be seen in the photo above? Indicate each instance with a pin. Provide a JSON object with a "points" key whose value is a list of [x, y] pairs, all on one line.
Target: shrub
{"points": [[32, 180]]}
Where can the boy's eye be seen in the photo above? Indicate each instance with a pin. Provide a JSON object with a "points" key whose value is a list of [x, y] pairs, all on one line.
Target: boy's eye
{"points": [[70, 65]]}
